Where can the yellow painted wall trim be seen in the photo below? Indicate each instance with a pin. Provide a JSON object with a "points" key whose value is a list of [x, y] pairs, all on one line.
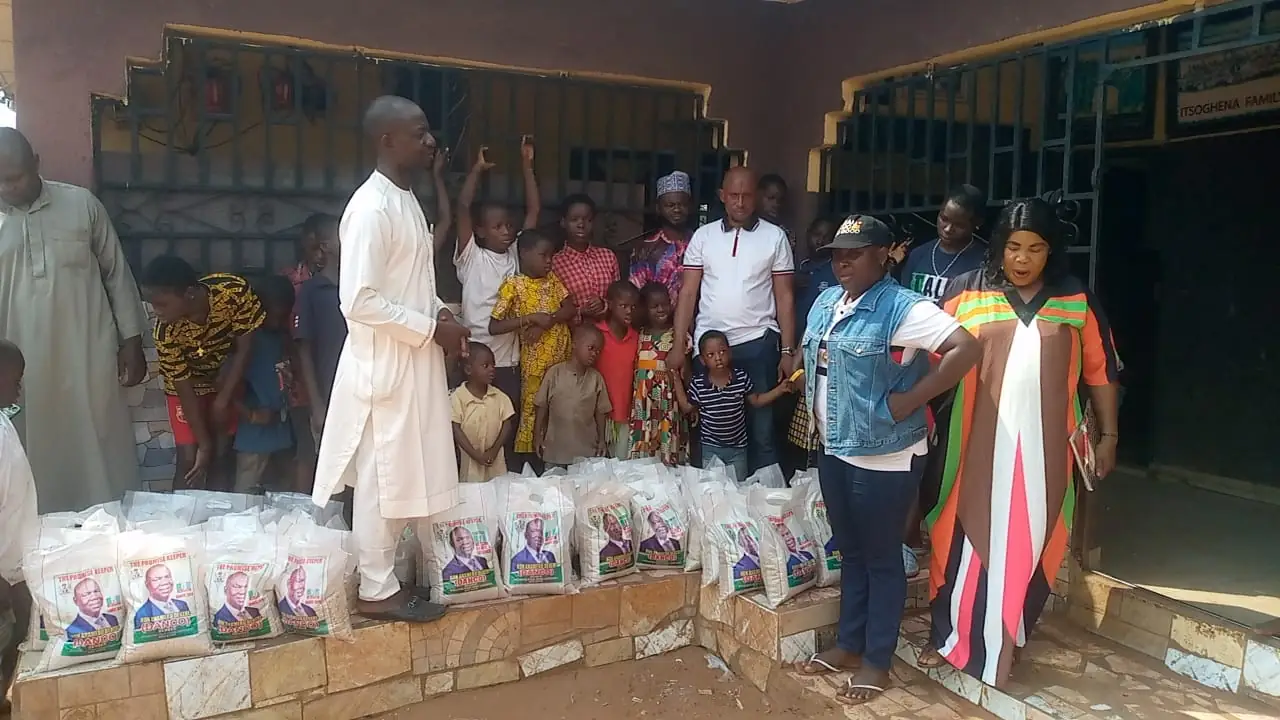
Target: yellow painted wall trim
{"points": [[1048, 36], [256, 38]]}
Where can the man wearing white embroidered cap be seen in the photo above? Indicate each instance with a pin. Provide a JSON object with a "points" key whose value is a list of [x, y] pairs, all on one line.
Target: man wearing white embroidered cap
{"points": [[659, 257], [388, 433]]}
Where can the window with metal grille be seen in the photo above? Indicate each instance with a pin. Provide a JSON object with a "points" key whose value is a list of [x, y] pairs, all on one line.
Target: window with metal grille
{"points": [[1038, 120], [221, 149]]}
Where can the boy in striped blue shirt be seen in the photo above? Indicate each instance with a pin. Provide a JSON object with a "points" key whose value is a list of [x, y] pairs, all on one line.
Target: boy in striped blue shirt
{"points": [[719, 395]]}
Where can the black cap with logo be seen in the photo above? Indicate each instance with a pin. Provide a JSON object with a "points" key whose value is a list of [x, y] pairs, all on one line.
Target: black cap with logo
{"points": [[860, 231]]}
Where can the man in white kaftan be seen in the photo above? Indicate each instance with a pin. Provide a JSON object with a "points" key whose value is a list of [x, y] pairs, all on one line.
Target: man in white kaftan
{"points": [[388, 431], [69, 301]]}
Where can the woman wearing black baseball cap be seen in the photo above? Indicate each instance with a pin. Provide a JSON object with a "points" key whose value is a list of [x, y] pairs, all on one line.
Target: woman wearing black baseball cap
{"points": [[868, 405]]}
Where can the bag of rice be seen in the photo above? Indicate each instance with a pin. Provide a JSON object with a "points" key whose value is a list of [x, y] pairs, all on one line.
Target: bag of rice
{"points": [[408, 551], [695, 484], [537, 522], [770, 477], [312, 581], [211, 503], [716, 465], [661, 522], [738, 537], [461, 553], [167, 616], [284, 502], [247, 522], [76, 589], [788, 559], [815, 511], [96, 518], [605, 549], [37, 635], [239, 580], [157, 511]]}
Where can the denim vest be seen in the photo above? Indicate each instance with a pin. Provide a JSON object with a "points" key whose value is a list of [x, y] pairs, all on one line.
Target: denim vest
{"points": [[860, 372]]}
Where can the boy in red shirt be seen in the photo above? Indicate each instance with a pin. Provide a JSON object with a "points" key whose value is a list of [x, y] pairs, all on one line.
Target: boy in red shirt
{"points": [[618, 364]]}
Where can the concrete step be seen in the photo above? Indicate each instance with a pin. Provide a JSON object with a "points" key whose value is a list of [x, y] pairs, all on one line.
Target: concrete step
{"points": [[1068, 673], [912, 695]]}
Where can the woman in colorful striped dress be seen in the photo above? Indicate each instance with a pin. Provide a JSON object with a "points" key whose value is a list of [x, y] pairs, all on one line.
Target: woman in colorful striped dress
{"points": [[1001, 525]]}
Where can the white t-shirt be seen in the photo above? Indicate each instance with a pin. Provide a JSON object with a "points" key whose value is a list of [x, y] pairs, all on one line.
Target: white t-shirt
{"points": [[17, 502], [925, 327], [481, 273], [738, 266]]}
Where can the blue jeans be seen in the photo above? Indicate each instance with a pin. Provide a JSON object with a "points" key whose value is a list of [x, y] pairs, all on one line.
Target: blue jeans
{"points": [[759, 358], [735, 458], [867, 510]]}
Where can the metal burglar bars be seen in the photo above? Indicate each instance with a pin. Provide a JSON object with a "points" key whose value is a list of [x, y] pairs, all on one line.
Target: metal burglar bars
{"points": [[1002, 125], [221, 149], [1027, 123]]}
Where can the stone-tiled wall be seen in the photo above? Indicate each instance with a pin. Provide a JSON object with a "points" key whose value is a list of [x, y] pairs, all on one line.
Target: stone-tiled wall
{"points": [[389, 665], [757, 641], [151, 430], [1205, 648]]}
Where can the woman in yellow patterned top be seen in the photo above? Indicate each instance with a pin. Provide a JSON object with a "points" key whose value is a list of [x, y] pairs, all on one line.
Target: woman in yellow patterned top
{"points": [[535, 304], [204, 336]]}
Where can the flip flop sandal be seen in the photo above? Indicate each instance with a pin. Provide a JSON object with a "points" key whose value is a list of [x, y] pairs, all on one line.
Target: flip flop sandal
{"points": [[827, 668], [844, 698], [416, 610], [935, 659]]}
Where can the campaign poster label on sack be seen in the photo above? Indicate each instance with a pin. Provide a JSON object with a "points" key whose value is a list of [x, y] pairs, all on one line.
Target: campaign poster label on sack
{"points": [[746, 569], [472, 566], [89, 609], [614, 520], [664, 535], [538, 560], [163, 591], [304, 588], [239, 616]]}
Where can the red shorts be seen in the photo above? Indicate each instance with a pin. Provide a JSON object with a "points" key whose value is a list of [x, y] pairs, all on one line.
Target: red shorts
{"points": [[182, 433]]}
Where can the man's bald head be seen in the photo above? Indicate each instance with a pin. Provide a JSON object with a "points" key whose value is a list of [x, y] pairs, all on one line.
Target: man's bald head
{"points": [[15, 145], [402, 136], [740, 176], [19, 169], [738, 194], [389, 111]]}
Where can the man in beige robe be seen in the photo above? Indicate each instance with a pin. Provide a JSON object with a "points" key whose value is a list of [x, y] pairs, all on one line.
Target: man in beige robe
{"points": [[69, 301], [388, 433]]}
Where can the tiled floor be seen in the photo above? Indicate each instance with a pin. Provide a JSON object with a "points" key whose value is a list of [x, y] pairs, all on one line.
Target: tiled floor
{"points": [[913, 695], [1143, 533], [1070, 674]]}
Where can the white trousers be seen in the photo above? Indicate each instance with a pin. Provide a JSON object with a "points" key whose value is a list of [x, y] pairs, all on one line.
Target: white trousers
{"points": [[376, 537]]}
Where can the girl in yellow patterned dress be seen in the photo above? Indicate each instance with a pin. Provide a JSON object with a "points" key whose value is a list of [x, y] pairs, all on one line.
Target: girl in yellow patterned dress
{"points": [[535, 304]]}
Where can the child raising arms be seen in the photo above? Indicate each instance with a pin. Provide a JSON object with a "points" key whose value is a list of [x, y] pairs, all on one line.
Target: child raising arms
{"points": [[658, 425], [486, 256], [536, 306]]}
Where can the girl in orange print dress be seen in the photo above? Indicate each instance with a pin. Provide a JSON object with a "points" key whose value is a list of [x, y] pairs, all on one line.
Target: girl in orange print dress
{"points": [[658, 425]]}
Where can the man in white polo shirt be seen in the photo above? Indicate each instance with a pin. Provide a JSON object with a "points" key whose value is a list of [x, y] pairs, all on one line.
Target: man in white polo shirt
{"points": [[742, 266]]}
